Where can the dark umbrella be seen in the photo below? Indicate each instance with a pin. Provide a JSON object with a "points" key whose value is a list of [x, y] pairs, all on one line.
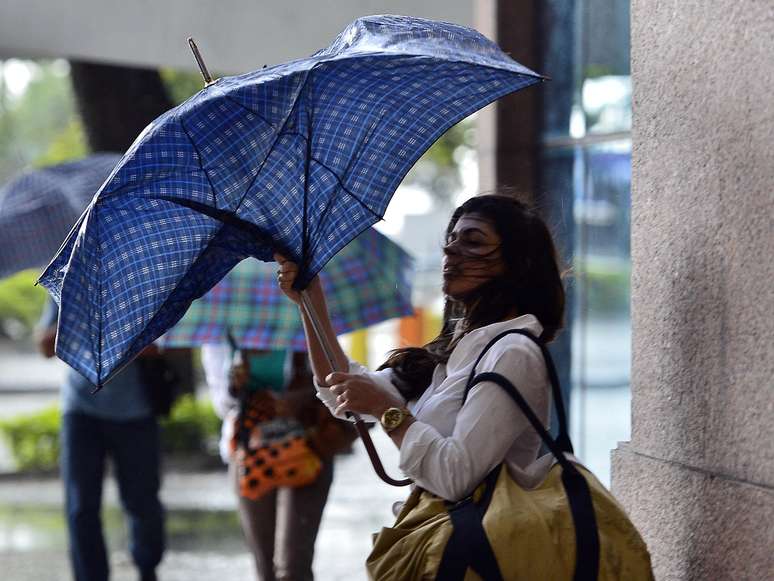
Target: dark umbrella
{"points": [[38, 209]]}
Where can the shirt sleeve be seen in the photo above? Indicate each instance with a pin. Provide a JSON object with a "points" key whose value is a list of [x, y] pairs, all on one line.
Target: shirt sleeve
{"points": [[216, 359], [486, 427], [382, 379]]}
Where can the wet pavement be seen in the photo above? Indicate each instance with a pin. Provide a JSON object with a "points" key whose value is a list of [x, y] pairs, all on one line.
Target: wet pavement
{"points": [[204, 538], [204, 542]]}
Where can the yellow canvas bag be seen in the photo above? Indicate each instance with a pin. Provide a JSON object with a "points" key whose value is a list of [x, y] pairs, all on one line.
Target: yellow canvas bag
{"points": [[565, 526]]}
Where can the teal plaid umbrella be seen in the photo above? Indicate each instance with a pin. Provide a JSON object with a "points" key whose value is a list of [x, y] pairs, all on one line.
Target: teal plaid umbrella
{"points": [[369, 281]]}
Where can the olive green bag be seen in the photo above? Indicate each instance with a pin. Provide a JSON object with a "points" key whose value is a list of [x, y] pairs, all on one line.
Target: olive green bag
{"points": [[565, 526]]}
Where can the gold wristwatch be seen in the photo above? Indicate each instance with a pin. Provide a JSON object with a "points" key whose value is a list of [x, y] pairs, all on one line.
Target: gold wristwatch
{"points": [[392, 418]]}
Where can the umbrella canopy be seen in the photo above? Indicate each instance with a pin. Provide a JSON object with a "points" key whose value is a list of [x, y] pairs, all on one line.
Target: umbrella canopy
{"points": [[369, 281], [298, 158], [38, 209]]}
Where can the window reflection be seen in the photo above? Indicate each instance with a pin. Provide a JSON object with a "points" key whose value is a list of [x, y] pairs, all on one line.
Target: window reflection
{"points": [[607, 103], [586, 173]]}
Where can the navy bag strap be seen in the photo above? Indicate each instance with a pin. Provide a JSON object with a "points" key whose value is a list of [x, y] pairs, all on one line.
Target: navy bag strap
{"points": [[562, 438], [468, 545]]}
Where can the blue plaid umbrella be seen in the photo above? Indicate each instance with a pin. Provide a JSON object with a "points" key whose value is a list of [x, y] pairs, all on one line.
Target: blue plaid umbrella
{"points": [[298, 158], [369, 281], [38, 209]]}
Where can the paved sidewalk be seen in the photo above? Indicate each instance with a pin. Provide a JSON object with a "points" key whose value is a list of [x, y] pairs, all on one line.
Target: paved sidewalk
{"points": [[359, 505]]}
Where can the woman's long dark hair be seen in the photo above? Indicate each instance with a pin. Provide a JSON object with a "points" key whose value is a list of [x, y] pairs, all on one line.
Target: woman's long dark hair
{"points": [[531, 284]]}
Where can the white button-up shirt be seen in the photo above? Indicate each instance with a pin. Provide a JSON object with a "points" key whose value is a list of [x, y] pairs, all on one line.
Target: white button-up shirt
{"points": [[451, 448]]}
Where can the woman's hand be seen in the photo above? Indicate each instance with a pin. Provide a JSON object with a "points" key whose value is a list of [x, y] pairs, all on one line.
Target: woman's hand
{"points": [[238, 376], [286, 276], [359, 394], [46, 340], [314, 314]]}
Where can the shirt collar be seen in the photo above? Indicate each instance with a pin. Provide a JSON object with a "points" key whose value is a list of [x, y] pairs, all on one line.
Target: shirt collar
{"points": [[471, 344]]}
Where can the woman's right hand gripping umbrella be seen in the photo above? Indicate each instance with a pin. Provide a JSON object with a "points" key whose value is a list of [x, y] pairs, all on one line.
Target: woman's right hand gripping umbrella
{"points": [[341, 391]]}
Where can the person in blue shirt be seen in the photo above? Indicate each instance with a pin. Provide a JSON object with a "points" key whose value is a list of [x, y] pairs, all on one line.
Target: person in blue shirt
{"points": [[116, 422]]}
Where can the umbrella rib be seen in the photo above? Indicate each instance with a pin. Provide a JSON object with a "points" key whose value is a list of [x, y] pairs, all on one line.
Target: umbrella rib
{"points": [[308, 87], [246, 108], [221, 216], [100, 318], [198, 158], [278, 130], [268, 153], [343, 187]]}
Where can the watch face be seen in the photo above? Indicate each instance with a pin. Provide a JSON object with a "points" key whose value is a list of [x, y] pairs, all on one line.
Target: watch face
{"points": [[392, 417]]}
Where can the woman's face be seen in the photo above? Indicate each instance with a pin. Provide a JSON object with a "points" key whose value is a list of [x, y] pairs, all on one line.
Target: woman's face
{"points": [[471, 256]]}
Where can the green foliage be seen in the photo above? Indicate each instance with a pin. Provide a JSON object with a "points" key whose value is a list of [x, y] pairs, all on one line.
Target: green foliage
{"points": [[608, 286], [594, 70], [31, 122], [21, 302], [438, 170], [181, 84], [192, 428], [34, 439], [69, 144]]}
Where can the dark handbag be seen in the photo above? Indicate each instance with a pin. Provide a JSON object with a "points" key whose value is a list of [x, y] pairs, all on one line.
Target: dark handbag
{"points": [[568, 526], [331, 436], [162, 382]]}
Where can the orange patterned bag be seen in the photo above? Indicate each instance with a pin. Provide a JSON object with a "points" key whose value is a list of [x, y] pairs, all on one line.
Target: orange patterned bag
{"points": [[271, 450]]}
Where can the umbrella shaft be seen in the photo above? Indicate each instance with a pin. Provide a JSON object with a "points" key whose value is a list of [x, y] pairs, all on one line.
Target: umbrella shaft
{"points": [[318, 330], [362, 430]]}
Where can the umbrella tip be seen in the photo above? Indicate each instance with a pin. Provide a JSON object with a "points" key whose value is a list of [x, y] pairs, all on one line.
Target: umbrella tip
{"points": [[200, 61]]}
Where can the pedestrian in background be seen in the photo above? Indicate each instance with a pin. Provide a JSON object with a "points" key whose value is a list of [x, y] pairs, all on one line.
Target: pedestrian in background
{"points": [[117, 422], [279, 443]]}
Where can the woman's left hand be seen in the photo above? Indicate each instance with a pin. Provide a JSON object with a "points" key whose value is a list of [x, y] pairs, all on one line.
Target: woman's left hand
{"points": [[359, 394]]}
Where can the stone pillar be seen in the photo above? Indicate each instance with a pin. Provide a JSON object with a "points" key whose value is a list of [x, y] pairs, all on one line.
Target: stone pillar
{"points": [[698, 474]]}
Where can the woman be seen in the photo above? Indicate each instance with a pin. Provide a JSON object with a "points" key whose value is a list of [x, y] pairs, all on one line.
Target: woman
{"points": [[280, 516], [500, 272]]}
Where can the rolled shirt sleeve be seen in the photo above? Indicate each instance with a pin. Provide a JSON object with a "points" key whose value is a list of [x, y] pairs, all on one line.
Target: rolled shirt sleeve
{"points": [[382, 379], [486, 427]]}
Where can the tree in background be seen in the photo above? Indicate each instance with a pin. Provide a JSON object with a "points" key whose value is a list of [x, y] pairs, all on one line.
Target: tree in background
{"points": [[60, 117], [116, 103]]}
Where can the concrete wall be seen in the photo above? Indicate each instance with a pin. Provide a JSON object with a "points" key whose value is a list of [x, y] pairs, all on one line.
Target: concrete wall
{"points": [[234, 35], [698, 474]]}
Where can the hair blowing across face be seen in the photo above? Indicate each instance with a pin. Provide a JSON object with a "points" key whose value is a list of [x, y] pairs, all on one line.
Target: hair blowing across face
{"points": [[530, 284]]}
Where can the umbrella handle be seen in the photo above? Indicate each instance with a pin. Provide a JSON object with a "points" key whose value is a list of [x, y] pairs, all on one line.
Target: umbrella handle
{"points": [[360, 425]]}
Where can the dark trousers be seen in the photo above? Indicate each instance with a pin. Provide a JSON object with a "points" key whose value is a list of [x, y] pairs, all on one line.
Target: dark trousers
{"points": [[281, 527], [134, 449]]}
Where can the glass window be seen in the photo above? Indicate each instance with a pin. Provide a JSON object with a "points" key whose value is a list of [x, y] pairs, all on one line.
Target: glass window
{"points": [[558, 24], [601, 326], [606, 90], [586, 176]]}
